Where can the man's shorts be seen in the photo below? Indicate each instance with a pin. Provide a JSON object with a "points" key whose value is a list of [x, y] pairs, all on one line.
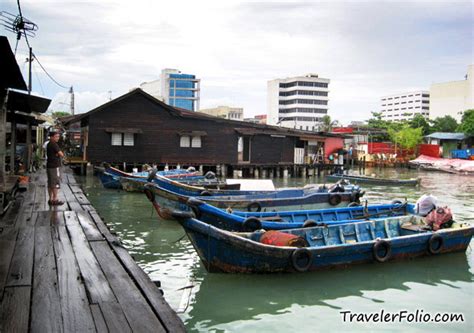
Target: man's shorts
{"points": [[54, 177]]}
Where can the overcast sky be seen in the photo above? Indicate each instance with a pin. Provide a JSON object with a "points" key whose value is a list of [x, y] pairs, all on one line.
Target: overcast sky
{"points": [[367, 48]]}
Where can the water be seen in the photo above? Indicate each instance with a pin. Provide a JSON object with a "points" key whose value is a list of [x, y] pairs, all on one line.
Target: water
{"points": [[301, 302]]}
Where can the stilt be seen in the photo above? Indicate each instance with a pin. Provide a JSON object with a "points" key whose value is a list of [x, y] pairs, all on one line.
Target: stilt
{"points": [[303, 172], [264, 173], [277, 172], [257, 173], [285, 172]]}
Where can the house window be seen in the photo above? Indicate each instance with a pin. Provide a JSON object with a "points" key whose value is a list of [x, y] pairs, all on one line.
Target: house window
{"points": [[196, 142], [128, 139], [185, 141], [116, 139]]}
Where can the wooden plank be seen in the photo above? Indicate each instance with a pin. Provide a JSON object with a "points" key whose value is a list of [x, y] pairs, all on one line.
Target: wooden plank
{"points": [[82, 199], [88, 226], [75, 188], [70, 198], [45, 305], [114, 317], [15, 309], [41, 199], [99, 321], [21, 267], [76, 314], [7, 245], [167, 315], [139, 315], [28, 203], [97, 285], [11, 216]]}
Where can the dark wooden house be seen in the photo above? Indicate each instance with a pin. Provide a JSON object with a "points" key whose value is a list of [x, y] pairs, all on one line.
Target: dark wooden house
{"points": [[137, 128]]}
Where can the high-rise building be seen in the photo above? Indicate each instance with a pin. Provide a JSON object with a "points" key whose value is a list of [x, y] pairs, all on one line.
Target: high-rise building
{"points": [[452, 98], [225, 112], [297, 102], [176, 89], [405, 106]]}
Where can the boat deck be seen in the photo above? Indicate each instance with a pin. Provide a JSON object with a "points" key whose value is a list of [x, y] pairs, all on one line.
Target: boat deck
{"points": [[61, 270]]}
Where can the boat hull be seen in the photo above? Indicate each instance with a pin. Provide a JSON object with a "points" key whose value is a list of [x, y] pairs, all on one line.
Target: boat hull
{"points": [[223, 251], [374, 181]]}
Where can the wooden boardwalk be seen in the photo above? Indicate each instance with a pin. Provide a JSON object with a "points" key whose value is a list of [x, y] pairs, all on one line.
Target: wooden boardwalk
{"points": [[61, 270]]}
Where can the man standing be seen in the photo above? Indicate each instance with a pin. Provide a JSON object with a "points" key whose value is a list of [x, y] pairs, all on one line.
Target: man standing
{"points": [[54, 155]]}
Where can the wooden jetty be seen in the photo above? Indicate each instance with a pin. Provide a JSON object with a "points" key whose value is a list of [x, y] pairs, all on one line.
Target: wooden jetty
{"points": [[61, 270]]}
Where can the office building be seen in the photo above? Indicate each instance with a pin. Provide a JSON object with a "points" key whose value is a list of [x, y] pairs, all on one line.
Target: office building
{"points": [[175, 89], [399, 107], [298, 102], [225, 112], [452, 98]]}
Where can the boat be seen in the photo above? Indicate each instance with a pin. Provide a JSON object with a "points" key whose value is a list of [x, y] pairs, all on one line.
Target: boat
{"points": [[319, 248], [357, 179], [251, 221], [285, 199]]}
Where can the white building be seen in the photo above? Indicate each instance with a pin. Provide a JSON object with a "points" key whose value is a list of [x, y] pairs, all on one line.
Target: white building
{"points": [[452, 98], [297, 102], [175, 89], [225, 112], [405, 106]]}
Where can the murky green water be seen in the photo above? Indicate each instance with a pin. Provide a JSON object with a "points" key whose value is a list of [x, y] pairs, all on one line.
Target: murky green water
{"points": [[301, 302]]}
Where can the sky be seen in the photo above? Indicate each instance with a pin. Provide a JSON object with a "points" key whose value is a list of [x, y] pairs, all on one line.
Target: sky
{"points": [[366, 48]]}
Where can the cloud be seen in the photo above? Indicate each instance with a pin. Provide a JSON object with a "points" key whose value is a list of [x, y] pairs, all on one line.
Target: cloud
{"points": [[367, 49]]}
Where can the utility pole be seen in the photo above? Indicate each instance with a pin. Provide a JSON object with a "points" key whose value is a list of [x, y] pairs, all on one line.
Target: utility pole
{"points": [[30, 60], [71, 105]]}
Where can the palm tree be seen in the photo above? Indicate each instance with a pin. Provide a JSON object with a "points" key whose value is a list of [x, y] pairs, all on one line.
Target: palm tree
{"points": [[327, 124]]}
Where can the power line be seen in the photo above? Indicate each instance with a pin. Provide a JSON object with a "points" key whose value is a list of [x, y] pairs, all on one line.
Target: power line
{"points": [[52, 78], [39, 81]]}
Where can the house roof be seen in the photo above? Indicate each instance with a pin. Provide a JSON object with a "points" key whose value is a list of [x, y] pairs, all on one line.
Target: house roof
{"points": [[447, 136], [10, 74], [178, 112]]}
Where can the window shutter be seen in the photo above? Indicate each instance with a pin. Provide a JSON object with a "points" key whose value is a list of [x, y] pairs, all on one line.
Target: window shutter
{"points": [[196, 142], [128, 139], [116, 139], [184, 141]]}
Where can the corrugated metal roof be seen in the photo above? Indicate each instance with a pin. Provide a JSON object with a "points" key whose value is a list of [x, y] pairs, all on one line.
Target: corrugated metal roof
{"points": [[446, 136]]}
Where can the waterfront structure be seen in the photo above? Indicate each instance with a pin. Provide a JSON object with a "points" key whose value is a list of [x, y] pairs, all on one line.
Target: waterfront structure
{"points": [[136, 129], [452, 98], [399, 107], [298, 102], [175, 89], [225, 112]]}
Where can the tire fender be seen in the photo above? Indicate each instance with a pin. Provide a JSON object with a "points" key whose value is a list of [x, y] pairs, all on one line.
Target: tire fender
{"points": [[301, 259]]}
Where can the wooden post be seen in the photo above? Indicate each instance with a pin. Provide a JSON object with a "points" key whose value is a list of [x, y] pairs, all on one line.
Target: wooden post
{"points": [[29, 148], [13, 145], [257, 173], [285, 172], [303, 172], [264, 173], [3, 140]]}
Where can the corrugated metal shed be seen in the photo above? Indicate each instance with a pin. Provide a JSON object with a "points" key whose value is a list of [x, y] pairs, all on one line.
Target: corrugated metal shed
{"points": [[447, 136]]}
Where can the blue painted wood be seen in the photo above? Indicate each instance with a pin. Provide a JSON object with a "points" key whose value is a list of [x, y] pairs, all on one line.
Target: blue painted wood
{"points": [[235, 221], [330, 246], [373, 180], [280, 199]]}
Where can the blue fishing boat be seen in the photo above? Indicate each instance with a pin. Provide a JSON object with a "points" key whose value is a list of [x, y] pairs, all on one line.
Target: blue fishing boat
{"points": [[358, 179], [251, 221], [285, 199], [311, 249]]}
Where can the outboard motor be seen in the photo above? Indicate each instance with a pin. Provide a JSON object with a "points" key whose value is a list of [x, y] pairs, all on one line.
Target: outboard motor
{"points": [[425, 204]]}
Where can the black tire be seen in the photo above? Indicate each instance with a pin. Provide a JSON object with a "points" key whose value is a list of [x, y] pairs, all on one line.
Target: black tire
{"points": [[205, 193], [382, 250], [435, 244], [353, 204], [301, 259], [152, 175], [254, 206], [251, 224], [310, 224], [150, 195], [335, 199]]}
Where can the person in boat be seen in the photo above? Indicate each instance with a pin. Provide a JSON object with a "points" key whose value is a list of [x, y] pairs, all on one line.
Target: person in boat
{"points": [[53, 164]]}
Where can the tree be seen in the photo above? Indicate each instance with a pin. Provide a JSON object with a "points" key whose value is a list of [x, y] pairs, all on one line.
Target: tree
{"points": [[406, 137], [467, 123], [419, 121], [59, 114], [444, 124], [327, 124]]}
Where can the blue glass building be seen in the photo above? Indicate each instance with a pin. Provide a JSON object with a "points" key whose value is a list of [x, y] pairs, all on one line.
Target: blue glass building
{"points": [[180, 90]]}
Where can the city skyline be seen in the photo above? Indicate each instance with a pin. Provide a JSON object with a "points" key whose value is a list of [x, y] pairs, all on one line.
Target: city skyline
{"points": [[235, 48]]}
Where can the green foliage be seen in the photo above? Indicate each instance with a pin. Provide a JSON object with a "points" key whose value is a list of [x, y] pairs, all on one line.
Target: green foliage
{"points": [[327, 124], [406, 136], [59, 114], [467, 123], [444, 124], [419, 121]]}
